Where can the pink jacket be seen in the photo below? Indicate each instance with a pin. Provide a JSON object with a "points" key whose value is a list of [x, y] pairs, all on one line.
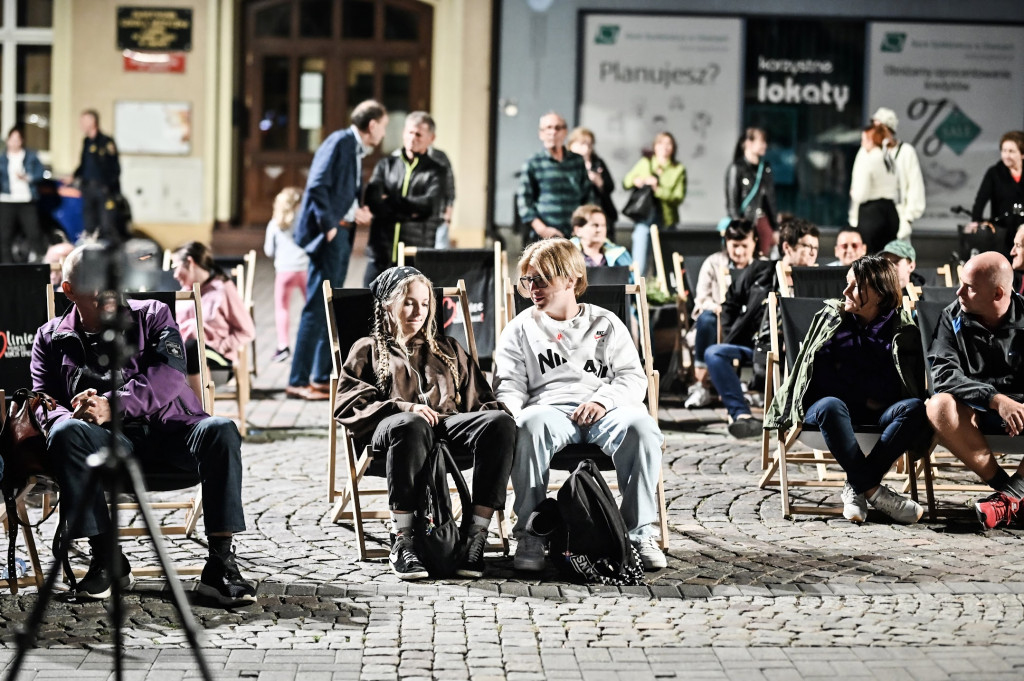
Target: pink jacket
{"points": [[227, 322]]}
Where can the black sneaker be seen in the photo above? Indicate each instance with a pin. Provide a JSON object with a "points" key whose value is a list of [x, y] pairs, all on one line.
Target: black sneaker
{"points": [[97, 584], [222, 582], [743, 428], [473, 560], [404, 561]]}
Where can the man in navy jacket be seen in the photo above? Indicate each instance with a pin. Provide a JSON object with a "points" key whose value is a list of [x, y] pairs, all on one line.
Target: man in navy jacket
{"points": [[325, 228]]}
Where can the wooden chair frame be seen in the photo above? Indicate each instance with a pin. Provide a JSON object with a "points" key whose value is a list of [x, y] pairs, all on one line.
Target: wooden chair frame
{"points": [[348, 498], [242, 367], [638, 292]]}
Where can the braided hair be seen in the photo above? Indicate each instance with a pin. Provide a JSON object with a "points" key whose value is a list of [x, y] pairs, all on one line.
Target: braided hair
{"points": [[383, 334]]}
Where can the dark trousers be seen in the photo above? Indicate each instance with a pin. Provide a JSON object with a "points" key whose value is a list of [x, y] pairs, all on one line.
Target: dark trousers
{"points": [[486, 437], [99, 214], [311, 359], [878, 223], [24, 216], [901, 425], [212, 447]]}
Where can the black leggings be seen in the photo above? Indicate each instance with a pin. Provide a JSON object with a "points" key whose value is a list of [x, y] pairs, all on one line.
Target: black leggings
{"points": [[488, 437]]}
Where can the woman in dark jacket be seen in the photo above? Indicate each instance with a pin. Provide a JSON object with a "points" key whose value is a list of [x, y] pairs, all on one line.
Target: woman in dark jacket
{"points": [[403, 387], [20, 170], [751, 174], [861, 363], [1003, 188], [581, 141]]}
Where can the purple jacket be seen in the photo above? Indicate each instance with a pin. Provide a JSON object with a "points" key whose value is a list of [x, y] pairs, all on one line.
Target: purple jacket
{"points": [[155, 389]]}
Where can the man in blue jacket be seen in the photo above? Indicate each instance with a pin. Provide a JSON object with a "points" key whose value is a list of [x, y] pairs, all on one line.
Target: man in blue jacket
{"points": [[325, 228], [164, 424]]}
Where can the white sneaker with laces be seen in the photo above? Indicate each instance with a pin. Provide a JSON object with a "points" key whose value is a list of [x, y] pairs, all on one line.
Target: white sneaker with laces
{"points": [[697, 396], [855, 506], [651, 554], [529, 553], [898, 507]]}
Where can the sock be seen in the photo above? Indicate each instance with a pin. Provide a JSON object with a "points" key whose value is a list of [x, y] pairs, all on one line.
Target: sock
{"points": [[1015, 486], [479, 524], [1000, 482], [401, 522], [219, 546]]}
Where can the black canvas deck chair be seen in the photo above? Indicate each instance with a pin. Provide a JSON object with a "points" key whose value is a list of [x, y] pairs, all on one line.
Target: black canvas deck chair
{"points": [[23, 311], [941, 462], [616, 275], [163, 478], [349, 314], [685, 242], [483, 270], [823, 283], [943, 295], [620, 300], [803, 445]]}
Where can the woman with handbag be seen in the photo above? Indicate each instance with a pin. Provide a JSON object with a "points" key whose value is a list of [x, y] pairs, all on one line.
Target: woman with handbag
{"points": [[750, 189], [658, 183], [404, 387]]}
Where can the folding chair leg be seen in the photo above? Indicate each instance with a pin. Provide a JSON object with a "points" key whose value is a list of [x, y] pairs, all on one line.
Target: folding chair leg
{"points": [[194, 513], [911, 471], [767, 480], [929, 489], [784, 480], [357, 510], [662, 513], [242, 386], [332, 447]]}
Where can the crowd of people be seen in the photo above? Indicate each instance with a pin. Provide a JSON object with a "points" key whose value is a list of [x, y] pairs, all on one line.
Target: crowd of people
{"points": [[564, 371]]}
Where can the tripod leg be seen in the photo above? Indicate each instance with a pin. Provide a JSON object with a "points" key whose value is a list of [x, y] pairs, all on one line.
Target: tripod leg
{"points": [[136, 486]]}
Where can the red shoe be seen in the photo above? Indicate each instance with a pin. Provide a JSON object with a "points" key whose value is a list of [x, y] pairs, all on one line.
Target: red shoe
{"points": [[996, 510]]}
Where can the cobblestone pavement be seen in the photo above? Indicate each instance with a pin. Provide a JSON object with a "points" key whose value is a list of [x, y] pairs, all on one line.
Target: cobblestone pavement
{"points": [[747, 594]]}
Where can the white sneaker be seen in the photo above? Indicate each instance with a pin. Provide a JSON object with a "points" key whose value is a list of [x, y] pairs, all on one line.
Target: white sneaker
{"points": [[898, 507], [651, 554], [697, 396], [529, 553], [855, 506]]}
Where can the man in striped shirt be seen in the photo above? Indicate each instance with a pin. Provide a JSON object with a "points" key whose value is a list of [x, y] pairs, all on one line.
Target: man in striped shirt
{"points": [[553, 183]]}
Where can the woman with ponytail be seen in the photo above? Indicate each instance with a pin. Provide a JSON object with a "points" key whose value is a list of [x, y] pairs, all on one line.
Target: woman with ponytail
{"points": [[403, 387]]}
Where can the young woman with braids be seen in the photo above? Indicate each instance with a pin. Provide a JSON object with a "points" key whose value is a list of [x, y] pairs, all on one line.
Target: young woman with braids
{"points": [[404, 386]]}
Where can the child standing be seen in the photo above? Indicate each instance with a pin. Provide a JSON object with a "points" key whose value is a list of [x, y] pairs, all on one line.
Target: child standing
{"points": [[290, 263]]}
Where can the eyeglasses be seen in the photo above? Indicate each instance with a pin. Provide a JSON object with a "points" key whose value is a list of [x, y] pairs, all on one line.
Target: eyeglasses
{"points": [[554, 127], [813, 248], [538, 282]]}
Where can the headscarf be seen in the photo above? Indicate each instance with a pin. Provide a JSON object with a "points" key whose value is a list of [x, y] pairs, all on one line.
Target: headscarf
{"points": [[387, 281]]}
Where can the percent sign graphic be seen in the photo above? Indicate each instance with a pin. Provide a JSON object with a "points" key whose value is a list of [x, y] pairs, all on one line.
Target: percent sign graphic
{"points": [[929, 109]]}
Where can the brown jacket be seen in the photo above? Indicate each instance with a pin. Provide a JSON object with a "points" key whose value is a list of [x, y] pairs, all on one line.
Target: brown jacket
{"points": [[360, 406]]}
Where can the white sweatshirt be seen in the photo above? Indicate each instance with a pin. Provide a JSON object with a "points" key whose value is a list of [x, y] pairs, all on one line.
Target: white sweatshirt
{"points": [[871, 180], [589, 358], [912, 195]]}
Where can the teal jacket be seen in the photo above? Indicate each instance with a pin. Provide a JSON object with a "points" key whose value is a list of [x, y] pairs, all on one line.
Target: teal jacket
{"points": [[788, 408], [614, 255]]}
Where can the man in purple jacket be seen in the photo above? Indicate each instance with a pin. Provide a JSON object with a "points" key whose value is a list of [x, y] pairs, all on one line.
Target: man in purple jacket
{"points": [[164, 425]]}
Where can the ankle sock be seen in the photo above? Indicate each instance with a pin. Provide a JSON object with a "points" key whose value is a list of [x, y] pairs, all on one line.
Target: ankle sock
{"points": [[401, 522], [1000, 482], [479, 524], [220, 547], [1015, 486]]}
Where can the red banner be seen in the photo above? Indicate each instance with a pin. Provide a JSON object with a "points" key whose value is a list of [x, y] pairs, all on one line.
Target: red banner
{"points": [[154, 62]]}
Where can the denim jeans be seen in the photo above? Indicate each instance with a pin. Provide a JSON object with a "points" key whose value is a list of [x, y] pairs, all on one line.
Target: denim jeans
{"points": [[311, 359], [901, 425], [706, 335], [641, 247], [627, 434], [719, 358], [212, 446]]}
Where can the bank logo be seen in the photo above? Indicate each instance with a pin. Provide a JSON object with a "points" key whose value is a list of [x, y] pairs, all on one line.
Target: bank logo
{"points": [[957, 131], [893, 42], [607, 34]]}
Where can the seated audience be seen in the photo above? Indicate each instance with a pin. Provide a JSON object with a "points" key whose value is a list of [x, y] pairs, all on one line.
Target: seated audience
{"points": [[740, 247], [228, 325], [978, 382], [904, 257], [570, 373], [590, 229], [744, 318], [849, 246], [861, 363], [164, 423], [1017, 254], [55, 255], [404, 387]]}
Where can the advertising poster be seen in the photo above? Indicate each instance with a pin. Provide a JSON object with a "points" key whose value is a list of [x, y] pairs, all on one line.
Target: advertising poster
{"points": [[955, 89], [804, 85], [645, 74]]}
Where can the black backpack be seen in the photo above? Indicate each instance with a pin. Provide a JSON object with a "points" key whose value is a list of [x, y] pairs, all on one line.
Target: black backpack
{"points": [[587, 535], [438, 539]]}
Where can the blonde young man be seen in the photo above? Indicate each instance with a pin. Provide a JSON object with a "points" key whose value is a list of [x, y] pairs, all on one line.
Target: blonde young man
{"points": [[569, 372]]}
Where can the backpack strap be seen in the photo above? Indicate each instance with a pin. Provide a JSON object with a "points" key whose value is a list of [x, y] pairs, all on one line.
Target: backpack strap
{"points": [[753, 189]]}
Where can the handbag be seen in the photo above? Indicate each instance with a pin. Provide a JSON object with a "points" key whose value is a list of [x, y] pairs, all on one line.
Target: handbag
{"points": [[723, 224], [23, 439], [438, 537], [641, 204]]}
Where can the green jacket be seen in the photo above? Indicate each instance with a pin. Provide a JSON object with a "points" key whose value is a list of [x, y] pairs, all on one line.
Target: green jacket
{"points": [[671, 189], [788, 406]]}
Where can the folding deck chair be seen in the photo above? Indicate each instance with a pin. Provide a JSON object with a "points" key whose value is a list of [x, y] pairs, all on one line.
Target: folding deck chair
{"points": [[823, 283]]}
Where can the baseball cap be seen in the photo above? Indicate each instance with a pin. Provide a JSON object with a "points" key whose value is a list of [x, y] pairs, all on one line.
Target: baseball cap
{"points": [[901, 249], [886, 117]]}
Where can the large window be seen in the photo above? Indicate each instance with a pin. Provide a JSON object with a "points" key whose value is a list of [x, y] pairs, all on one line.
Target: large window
{"points": [[26, 38]]}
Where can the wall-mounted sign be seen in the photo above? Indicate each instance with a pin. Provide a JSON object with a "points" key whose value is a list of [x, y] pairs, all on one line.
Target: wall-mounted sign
{"points": [[166, 29], [154, 62], [154, 128]]}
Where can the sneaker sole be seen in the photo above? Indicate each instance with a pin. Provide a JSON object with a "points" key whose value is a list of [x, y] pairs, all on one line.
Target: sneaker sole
{"points": [[211, 592], [855, 517], [126, 583], [410, 576], [472, 574], [654, 565]]}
